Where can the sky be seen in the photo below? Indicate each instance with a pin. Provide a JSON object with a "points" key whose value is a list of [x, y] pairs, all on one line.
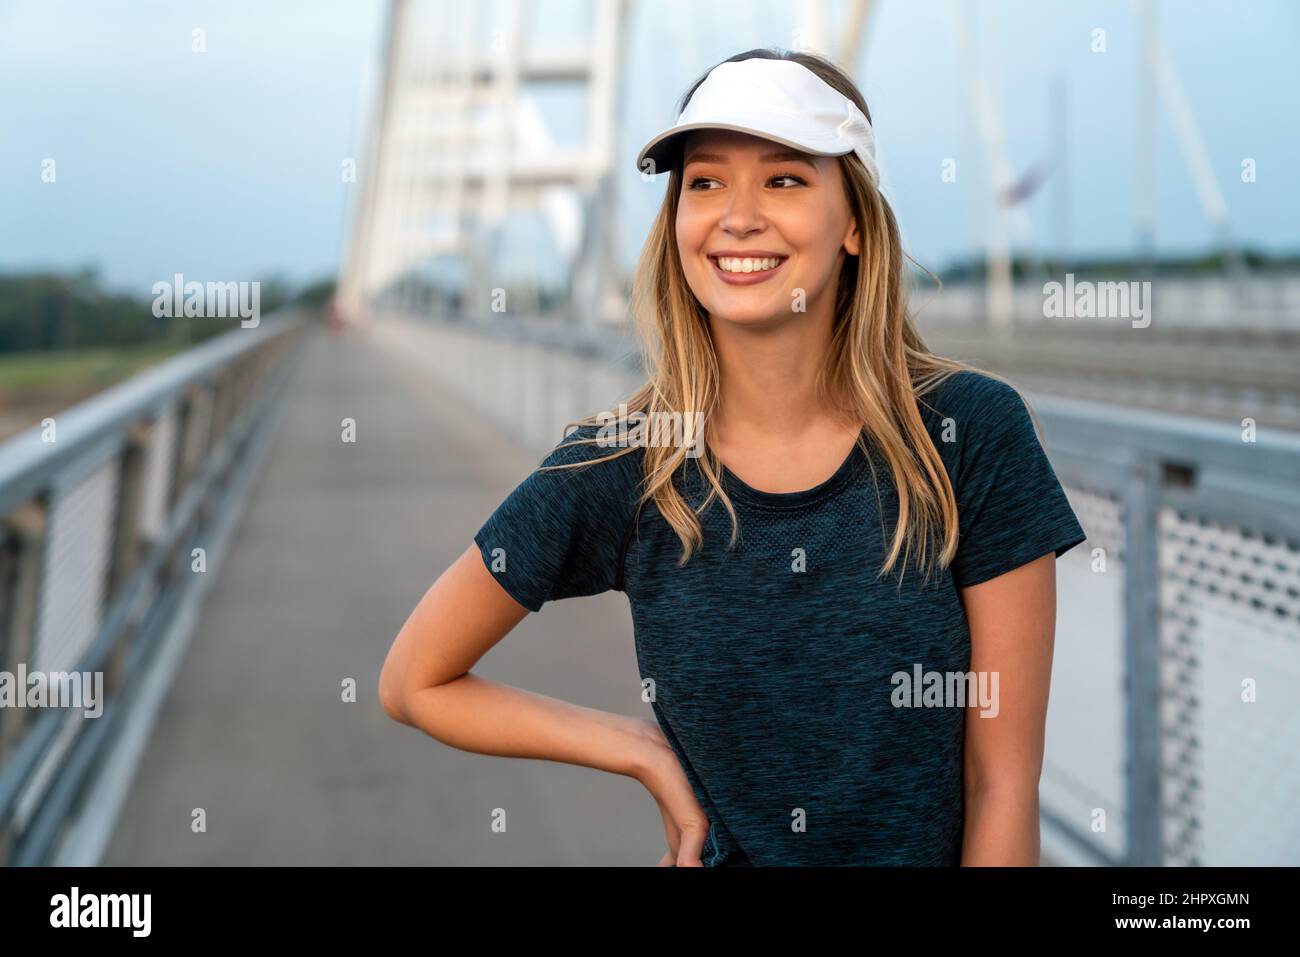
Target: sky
{"points": [[225, 164]]}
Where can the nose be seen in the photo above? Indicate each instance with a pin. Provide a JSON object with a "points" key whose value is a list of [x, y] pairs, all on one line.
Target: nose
{"points": [[743, 213]]}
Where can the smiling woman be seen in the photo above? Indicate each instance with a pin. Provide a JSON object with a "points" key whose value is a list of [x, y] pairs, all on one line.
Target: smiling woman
{"points": [[771, 297]]}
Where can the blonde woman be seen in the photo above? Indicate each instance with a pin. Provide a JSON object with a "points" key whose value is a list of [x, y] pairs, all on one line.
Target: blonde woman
{"points": [[843, 591]]}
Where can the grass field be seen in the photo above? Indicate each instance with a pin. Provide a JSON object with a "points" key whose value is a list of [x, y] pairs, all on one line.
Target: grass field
{"points": [[34, 385], [75, 371]]}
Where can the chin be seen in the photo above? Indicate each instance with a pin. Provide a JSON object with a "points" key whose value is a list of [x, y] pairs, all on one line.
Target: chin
{"points": [[749, 315]]}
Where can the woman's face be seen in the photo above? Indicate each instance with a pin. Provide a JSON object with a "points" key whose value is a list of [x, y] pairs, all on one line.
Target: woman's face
{"points": [[761, 228]]}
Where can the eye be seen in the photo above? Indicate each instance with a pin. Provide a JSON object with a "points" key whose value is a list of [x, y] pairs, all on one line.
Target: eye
{"points": [[695, 183]]}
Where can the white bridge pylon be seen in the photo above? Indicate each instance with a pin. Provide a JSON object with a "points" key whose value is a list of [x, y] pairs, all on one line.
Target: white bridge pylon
{"points": [[454, 149]]}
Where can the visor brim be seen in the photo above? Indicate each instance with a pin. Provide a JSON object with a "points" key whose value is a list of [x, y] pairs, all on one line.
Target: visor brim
{"points": [[663, 151]]}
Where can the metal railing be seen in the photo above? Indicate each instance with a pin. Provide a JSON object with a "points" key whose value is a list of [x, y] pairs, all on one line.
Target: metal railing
{"points": [[1258, 303], [1190, 582], [102, 510], [1184, 598]]}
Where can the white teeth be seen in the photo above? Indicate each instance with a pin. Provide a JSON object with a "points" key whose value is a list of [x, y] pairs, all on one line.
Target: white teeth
{"points": [[747, 265]]}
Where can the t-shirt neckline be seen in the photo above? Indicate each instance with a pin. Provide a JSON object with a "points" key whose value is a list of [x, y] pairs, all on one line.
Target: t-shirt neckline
{"points": [[738, 488]]}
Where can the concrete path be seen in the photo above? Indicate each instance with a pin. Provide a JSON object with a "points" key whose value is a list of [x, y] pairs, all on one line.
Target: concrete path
{"points": [[337, 545]]}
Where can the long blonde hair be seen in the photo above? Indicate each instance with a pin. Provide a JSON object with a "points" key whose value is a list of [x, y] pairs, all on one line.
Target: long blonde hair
{"points": [[875, 370]]}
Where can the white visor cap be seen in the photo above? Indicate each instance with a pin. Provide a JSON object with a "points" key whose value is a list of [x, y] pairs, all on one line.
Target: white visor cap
{"points": [[779, 100]]}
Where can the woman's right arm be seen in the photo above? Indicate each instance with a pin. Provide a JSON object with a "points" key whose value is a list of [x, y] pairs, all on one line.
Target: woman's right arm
{"points": [[425, 683]]}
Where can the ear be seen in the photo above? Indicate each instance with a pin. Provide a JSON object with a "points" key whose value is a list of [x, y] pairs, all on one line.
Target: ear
{"points": [[852, 240]]}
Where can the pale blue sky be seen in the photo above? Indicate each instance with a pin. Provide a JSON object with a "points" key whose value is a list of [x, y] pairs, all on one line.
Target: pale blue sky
{"points": [[226, 164]]}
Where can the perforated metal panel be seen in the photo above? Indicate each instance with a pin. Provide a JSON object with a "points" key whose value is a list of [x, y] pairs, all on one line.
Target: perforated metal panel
{"points": [[77, 558], [1230, 626]]}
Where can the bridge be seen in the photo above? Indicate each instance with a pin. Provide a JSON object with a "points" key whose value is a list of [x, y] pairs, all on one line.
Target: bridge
{"points": [[231, 539]]}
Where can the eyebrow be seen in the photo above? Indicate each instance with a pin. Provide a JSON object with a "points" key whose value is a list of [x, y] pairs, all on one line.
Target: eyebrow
{"points": [[778, 157]]}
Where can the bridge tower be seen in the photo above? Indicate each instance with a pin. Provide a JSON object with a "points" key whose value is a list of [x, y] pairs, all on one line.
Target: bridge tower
{"points": [[456, 146]]}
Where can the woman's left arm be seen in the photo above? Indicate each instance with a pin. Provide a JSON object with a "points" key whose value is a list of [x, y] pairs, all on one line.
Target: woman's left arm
{"points": [[1012, 622]]}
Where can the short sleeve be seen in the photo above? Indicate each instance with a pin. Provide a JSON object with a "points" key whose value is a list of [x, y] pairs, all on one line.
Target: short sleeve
{"points": [[1011, 507], [559, 534]]}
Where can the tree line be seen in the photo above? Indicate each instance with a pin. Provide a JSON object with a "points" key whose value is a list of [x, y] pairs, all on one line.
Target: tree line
{"points": [[48, 312]]}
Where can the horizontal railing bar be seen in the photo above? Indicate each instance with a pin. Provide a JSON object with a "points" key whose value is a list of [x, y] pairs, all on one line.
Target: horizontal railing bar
{"points": [[1082, 426], [44, 829]]}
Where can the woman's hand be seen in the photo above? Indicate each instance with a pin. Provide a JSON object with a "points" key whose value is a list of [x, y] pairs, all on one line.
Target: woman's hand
{"points": [[686, 826]]}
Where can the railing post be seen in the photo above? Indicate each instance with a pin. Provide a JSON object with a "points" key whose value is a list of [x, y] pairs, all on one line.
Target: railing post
{"points": [[195, 429], [220, 405], [180, 442], [1145, 838], [126, 538]]}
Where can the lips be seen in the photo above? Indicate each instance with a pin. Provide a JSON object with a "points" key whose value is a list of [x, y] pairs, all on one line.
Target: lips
{"points": [[746, 278]]}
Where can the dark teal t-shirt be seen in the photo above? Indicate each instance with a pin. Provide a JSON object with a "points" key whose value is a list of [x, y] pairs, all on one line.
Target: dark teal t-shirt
{"points": [[773, 668]]}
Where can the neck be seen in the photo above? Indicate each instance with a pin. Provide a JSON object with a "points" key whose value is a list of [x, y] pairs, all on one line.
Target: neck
{"points": [[769, 373]]}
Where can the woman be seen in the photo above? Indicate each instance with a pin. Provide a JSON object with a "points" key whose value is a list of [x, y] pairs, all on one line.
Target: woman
{"points": [[844, 595]]}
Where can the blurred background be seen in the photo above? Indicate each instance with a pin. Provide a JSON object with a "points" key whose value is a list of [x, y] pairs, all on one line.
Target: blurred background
{"points": [[293, 293]]}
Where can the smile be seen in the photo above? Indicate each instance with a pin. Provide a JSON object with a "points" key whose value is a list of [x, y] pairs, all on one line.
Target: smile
{"points": [[746, 271]]}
